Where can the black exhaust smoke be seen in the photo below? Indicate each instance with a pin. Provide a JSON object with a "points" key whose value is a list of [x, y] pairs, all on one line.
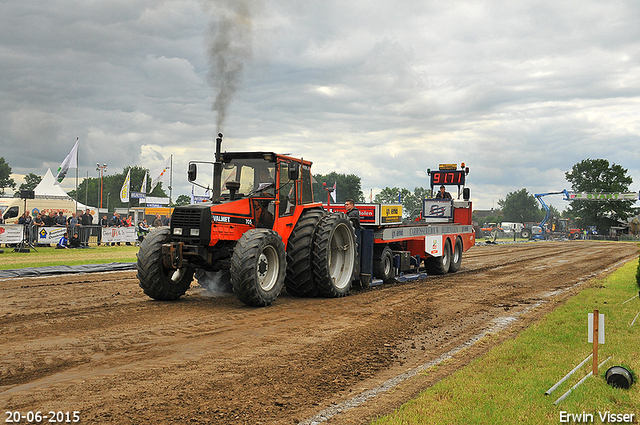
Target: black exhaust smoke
{"points": [[230, 47]]}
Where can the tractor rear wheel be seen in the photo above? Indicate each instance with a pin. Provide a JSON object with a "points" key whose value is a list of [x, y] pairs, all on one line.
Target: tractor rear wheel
{"points": [[383, 264], [155, 280], [456, 260], [334, 255], [525, 233], [299, 279], [439, 265], [258, 266]]}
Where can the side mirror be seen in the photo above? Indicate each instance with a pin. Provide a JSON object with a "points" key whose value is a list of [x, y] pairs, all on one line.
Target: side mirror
{"points": [[192, 172], [294, 171], [466, 194]]}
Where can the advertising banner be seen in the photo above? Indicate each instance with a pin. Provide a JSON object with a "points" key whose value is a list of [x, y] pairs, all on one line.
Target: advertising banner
{"points": [[630, 196], [50, 235], [437, 209], [10, 233], [118, 234]]}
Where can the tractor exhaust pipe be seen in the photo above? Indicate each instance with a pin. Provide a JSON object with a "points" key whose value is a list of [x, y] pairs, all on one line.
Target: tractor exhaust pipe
{"points": [[217, 171]]}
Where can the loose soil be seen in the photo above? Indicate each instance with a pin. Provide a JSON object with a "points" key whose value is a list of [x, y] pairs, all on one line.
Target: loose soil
{"points": [[94, 343]]}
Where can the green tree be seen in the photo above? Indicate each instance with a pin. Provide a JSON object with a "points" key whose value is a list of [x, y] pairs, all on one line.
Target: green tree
{"points": [[183, 200], [598, 176], [5, 177], [411, 202], [520, 206], [31, 180], [348, 186]]}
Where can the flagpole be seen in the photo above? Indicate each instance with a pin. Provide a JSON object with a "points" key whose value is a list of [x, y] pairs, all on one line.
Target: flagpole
{"points": [[77, 140], [171, 181]]}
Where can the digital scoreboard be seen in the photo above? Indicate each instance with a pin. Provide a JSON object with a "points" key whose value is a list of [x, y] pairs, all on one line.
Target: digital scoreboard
{"points": [[445, 177]]}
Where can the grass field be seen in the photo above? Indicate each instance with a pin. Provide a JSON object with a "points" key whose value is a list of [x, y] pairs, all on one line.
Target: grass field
{"points": [[507, 385], [49, 256]]}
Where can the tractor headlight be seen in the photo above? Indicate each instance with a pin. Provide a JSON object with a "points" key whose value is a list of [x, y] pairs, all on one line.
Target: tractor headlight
{"points": [[195, 232], [177, 231]]}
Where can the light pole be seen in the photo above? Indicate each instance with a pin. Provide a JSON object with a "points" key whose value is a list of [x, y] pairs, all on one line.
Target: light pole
{"points": [[101, 169], [108, 195]]}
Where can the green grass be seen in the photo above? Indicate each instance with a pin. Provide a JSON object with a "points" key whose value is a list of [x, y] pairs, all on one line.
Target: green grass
{"points": [[49, 256], [507, 385]]}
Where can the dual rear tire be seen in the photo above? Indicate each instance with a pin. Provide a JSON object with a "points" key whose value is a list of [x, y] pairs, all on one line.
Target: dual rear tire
{"points": [[320, 260], [450, 260], [383, 264]]}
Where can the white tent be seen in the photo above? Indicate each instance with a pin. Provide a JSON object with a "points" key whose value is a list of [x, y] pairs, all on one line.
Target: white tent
{"points": [[47, 189]]}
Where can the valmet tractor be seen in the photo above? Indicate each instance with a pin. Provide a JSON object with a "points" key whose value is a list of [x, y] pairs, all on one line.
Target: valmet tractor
{"points": [[262, 225]]}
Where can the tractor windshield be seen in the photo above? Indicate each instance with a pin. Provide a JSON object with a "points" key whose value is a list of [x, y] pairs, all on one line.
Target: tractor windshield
{"points": [[254, 176]]}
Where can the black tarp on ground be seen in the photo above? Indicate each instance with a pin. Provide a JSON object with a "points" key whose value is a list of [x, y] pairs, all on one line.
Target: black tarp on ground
{"points": [[51, 270]]}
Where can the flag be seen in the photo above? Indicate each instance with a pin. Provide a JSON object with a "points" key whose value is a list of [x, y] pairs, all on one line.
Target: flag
{"points": [[334, 196], [160, 174], [371, 196], [124, 192], [143, 188], [70, 161], [193, 197]]}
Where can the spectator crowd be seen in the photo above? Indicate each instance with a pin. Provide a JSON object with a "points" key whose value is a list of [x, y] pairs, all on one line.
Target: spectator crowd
{"points": [[80, 226]]}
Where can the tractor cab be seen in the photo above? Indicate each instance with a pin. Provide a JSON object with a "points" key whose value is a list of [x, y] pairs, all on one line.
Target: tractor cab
{"points": [[256, 190]]}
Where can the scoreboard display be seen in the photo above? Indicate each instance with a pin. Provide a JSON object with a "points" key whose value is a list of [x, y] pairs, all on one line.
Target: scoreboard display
{"points": [[445, 177]]}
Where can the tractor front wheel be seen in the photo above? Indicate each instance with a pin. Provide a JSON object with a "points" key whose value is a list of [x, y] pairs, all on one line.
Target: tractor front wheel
{"points": [[155, 280]]}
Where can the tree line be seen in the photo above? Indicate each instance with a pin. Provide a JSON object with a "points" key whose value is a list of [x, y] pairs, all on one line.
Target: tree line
{"points": [[589, 175]]}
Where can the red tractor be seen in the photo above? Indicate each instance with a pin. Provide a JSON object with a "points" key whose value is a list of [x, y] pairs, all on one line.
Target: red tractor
{"points": [[262, 225]]}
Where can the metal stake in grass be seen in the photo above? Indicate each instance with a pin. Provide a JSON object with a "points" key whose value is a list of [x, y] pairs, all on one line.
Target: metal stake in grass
{"points": [[576, 385], [567, 376]]}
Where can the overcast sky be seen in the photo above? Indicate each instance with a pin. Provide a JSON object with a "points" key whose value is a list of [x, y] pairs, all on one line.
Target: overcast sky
{"points": [[519, 91]]}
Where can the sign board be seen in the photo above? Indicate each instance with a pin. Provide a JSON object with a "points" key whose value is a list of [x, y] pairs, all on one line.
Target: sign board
{"points": [[373, 214], [157, 200], [600, 328], [630, 196], [447, 166], [49, 235], [11, 233], [433, 245], [138, 195], [118, 234], [199, 199], [437, 210]]}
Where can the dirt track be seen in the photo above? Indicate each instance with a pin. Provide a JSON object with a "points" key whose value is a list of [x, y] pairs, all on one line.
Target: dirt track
{"points": [[96, 344]]}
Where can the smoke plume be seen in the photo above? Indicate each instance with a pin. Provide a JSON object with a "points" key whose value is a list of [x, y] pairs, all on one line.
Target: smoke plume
{"points": [[229, 45]]}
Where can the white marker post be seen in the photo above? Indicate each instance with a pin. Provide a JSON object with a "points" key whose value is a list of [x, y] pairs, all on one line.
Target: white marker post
{"points": [[596, 335]]}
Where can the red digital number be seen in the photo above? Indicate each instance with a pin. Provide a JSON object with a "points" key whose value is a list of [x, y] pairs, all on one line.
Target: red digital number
{"points": [[436, 178]]}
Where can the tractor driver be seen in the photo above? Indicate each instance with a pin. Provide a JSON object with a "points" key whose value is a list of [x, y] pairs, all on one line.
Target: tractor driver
{"points": [[443, 194], [264, 176]]}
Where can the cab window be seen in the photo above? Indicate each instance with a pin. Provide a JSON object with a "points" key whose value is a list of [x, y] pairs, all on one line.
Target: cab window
{"points": [[287, 192], [306, 196]]}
